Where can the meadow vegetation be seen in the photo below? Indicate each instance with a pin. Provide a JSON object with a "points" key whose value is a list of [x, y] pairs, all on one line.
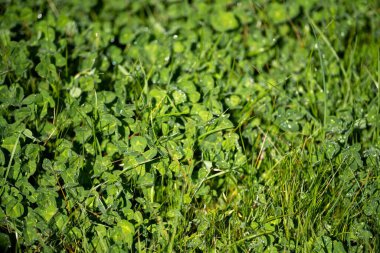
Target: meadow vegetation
{"points": [[189, 126]]}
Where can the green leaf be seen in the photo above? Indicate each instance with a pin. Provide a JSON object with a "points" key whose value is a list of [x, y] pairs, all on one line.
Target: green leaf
{"points": [[372, 207], [123, 233], [5, 242], [29, 134], [88, 61], [102, 164], [2, 158], [82, 134], [150, 154], [111, 149], [277, 13], [127, 227], [48, 131], [48, 209], [47, 70], [12, 142], [223, 21], [199, 111], [126, 35], [338, 247], [14, 209], [75, 92], [60, 61], [108, 124], [61, 221], [189, 88], [146, 180], [175, 151], [23, 114], [159, 95], [233, 101], [179, 97], [289, 125], [33, 98], [87, 83], [12, 95], [358, 232], [138, 143], [106, 97], [115, 54], [331, 149]]}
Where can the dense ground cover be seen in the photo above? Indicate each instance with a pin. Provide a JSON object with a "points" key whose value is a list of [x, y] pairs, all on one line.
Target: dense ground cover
{"points": [[190, 126]]}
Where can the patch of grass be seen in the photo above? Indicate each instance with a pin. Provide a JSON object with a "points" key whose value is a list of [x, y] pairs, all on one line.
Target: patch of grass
{"points": [[169, 126]]}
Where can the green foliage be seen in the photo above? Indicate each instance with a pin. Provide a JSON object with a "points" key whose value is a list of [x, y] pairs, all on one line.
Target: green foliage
{"points": [[189, 126]]}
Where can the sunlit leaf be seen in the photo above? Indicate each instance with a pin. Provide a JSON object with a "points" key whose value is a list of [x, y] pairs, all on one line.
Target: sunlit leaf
{"points": [[223, 21]]}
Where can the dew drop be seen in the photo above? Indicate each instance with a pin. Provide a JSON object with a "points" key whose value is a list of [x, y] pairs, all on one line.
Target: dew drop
{"points": [[175, 36], [39, 15]]}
